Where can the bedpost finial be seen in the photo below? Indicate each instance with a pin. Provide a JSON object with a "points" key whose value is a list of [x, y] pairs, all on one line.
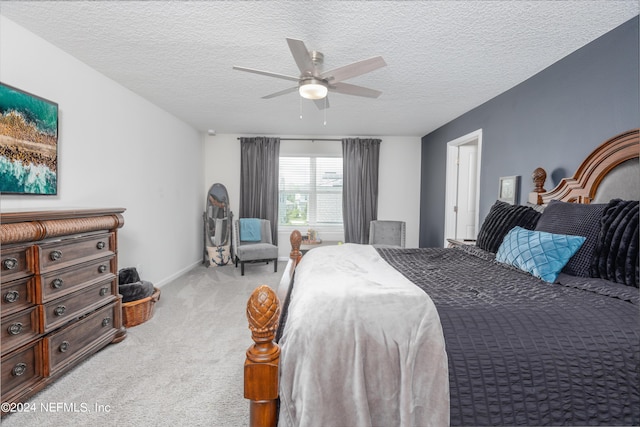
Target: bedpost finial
{"points": [[296, 241], [539, 176], [262, 357], [263, 313]]}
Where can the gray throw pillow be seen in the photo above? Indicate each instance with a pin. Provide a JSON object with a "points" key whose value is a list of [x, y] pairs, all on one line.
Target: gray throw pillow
{"points": [[577, 220]]}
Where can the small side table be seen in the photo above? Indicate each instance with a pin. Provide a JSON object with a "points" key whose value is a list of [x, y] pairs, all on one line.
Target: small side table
{"points": [[458, 242]]}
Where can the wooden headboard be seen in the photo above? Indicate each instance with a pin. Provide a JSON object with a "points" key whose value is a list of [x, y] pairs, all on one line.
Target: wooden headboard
{"points": [[582, 187]]}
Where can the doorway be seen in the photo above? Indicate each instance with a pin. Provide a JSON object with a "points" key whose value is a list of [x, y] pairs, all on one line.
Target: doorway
{"points": [[463, 187]]}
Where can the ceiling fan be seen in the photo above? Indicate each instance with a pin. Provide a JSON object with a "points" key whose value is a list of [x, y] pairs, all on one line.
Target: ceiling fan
{"points": [[314, 84]]}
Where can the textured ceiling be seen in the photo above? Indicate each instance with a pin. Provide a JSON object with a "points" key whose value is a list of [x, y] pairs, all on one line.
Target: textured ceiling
{"points": [[444, 57]]}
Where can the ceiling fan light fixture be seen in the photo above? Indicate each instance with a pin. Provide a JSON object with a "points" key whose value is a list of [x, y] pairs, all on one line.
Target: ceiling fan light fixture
{"points": [[313, 89]]}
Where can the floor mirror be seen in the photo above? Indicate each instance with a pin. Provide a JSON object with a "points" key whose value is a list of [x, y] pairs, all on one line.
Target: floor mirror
{"points": [[217, 227]]}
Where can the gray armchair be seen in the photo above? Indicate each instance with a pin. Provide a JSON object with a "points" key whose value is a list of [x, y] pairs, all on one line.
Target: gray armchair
{"points": [[254, 251], [387, 234]]}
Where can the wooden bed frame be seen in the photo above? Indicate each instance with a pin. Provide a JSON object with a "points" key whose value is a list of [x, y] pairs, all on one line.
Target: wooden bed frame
{"points": [[263, 308], [582, 187]]}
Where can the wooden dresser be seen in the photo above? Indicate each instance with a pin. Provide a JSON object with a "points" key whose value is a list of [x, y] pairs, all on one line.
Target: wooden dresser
{"points": [[59, 299]]}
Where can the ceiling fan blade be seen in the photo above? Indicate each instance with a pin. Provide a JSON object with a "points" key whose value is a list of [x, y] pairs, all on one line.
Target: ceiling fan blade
{"points": [[301, 56], [322, 103], [353, 70], [266, 73], [349, 89], [282, 92]]}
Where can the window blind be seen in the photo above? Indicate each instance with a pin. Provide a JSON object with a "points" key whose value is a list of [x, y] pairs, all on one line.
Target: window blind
{"points": [[310, 191]]}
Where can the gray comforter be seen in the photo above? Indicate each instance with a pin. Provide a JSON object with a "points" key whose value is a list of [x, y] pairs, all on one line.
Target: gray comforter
{"points": [[525, 352], [362, 346]]}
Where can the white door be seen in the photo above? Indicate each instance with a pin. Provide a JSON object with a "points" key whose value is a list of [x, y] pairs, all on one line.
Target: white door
{"points": [[462, 181], [466, 194]]}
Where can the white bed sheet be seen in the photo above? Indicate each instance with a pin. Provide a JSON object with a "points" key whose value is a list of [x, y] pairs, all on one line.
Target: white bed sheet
{"points": [[362, 346]]}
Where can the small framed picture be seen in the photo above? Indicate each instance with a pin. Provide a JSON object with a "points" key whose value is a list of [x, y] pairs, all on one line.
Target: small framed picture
{"points": [[509, 189]]}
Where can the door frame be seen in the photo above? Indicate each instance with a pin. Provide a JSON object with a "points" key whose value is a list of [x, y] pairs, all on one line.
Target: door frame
{"points": [[451, 185]]}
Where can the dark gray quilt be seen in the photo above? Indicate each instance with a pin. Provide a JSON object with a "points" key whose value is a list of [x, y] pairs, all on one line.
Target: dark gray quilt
{"points": [[525, 352]]}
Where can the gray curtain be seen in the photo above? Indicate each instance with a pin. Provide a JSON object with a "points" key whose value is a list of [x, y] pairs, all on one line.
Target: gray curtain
{"points": [[260, 159], [360, 159]]}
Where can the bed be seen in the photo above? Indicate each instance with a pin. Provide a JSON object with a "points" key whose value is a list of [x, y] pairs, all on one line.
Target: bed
{"points": [[536, 324]]}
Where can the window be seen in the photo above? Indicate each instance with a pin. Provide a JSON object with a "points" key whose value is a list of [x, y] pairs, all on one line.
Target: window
{"points": [[310, 191]]}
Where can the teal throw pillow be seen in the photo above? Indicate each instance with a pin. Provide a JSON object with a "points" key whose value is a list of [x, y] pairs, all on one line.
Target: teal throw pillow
{"points": [[250, 230], [537, 252]]}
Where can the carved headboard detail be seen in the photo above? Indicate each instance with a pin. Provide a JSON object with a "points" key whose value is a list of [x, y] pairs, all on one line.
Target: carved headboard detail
{"points": [[583, 186]]}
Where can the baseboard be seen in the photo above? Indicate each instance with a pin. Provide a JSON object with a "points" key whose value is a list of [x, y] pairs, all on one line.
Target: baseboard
{"points": [[179, 273]]}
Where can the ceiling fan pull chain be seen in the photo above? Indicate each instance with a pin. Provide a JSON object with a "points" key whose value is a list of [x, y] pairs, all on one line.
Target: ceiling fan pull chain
{"points": [[325, 111], [300, 107]]}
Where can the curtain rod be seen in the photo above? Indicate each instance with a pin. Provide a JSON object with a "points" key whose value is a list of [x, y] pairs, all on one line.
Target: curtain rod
{"points": [[307, 139]]}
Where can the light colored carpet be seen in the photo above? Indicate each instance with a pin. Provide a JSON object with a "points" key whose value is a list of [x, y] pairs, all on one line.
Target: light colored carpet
{"points": [[184, 367]]}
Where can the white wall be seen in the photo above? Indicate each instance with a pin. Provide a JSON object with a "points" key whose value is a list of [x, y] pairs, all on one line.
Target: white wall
{"points": [[398, 185], [115, 149]]}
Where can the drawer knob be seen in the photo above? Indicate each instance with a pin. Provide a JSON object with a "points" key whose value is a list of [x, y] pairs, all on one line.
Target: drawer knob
{"points": [[55, 255], [101, 245], [106, 321], [10, 263], [57, 283], [104, 291], [19, 369], [64, 346], [59, 310], [11, 296], [102, 268], [14, 328]]}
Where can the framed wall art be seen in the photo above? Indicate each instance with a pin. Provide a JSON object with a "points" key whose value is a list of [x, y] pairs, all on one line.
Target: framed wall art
{"points": [[28, 143], [509, 189]]}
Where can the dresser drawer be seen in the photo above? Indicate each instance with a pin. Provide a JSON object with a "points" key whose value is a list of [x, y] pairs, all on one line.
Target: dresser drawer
{"points": [[19, 328], [78, 339], [59, 254], [62, 310], [17, 262], [62, 282], [17, 295], [21, 370]]}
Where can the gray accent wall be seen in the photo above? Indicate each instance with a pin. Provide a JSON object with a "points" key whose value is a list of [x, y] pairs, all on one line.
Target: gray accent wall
{"points": [[552, 120]]}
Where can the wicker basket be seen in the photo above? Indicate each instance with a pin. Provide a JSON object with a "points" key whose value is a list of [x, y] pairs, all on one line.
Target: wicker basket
{"points": [[139, 311]]}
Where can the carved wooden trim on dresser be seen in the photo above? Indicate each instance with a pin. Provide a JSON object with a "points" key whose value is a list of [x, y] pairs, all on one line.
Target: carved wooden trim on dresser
{"points": [[59, 301]]}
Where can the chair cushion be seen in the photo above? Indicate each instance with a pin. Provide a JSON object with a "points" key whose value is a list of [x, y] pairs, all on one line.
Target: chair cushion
{"points": [[257, 251]]}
